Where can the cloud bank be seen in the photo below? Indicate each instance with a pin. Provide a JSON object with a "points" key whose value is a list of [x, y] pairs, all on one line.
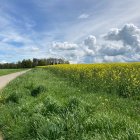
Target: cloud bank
{"points": [[129, 35], [118, 45]]}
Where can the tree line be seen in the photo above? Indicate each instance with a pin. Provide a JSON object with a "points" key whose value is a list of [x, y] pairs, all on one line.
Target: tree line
{"points": [[28, 63]]}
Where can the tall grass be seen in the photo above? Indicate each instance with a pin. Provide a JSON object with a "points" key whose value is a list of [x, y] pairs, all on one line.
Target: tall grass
{"points": [[41, 106]]}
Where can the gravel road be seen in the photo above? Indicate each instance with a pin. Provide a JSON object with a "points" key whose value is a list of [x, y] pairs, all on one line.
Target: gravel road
{"points": [[4, 80]]}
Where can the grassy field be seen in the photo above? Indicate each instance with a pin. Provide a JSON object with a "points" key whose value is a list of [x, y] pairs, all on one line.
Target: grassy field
{"points": [[8, 71], [42, 105]]}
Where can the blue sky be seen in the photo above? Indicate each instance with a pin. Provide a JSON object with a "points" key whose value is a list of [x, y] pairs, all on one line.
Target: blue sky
{"points": [[71, 29]]}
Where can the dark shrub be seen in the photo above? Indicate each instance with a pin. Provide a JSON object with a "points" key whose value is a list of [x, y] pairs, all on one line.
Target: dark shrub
{"points": [[14, 98], [36, 91]]}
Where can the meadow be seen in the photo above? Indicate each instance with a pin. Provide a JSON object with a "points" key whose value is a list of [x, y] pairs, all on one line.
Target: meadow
{"points": [[73, 102], [8, 71]]}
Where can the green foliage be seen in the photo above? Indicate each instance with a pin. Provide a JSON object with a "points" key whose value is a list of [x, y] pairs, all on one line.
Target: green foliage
{"points": [[8, 71], [64, 112], [38, 90], [14, 98]]}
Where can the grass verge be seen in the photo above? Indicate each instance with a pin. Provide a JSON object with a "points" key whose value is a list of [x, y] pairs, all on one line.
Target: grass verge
{"points": [[8, 71], [41, 106]]}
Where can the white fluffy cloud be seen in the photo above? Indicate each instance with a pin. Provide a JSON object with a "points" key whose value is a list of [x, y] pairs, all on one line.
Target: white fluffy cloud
{"points": [[64, 46], [129, 35], [112, 49], [90, 41], [83, 16], [69, 51]]}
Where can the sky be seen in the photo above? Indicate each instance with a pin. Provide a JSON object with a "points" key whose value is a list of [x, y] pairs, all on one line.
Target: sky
{"points": [[81, 31]]}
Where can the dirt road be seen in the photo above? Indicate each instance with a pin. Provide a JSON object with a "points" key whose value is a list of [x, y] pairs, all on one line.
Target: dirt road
{"points": [[4, 80]]}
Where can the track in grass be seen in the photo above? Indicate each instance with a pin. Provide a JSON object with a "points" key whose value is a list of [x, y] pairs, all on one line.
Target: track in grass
{"points": [[5, 79], [42, 106]]}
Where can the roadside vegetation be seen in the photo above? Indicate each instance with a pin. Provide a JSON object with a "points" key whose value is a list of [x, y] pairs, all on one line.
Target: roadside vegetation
{"points": [[8, 71], [46, 105], [122, 79]]}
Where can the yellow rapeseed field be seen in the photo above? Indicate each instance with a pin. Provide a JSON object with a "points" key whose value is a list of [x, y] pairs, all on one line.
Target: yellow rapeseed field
{"points": [[120, 78]]}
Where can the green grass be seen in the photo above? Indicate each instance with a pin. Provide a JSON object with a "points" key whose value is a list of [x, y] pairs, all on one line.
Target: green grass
{"points": [[41, 106], [8, 71]]}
